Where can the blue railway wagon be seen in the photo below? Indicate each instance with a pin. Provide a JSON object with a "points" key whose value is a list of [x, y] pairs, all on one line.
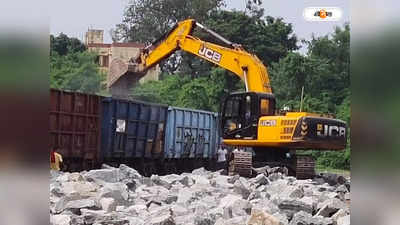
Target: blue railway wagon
{"points": [[133, 133], [191, 138]]}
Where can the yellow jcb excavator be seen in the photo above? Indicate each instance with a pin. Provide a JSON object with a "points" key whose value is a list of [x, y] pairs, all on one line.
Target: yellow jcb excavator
{"points": [[248, 119]]}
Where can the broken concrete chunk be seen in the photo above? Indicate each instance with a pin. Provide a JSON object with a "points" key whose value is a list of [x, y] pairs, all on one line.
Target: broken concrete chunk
{"points": [[80, 204], [162, 220], [102, 175], [261, 179], [117, 191], [330, 207], [241, 189], [302, 218], [259, 217], [200, 171], [60, 219], [108, 204], [275, 176], [344, 220], [342, 189], [292, 206], [234, 205]]}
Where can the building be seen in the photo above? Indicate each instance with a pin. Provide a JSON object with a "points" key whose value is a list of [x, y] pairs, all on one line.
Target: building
{"points": [[108, 52]]}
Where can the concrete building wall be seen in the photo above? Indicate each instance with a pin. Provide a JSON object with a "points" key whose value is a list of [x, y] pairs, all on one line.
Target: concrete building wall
{"points": [[152, 74], [94, 37], [124, 51]]}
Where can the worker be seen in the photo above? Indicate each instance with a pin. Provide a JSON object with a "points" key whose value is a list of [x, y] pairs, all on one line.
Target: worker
{"points": [[221, 157], [55, 160]]}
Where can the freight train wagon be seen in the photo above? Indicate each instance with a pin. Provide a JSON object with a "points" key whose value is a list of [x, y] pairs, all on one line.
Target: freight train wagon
{"points": [[74, 127], [157, 139], [89, 130]]}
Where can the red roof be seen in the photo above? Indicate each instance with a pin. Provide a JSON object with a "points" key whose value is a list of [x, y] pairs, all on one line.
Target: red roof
{"points": [[98, 45], [128, 44]]}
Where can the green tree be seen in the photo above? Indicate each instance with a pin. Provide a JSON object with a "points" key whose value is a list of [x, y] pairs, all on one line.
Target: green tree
{"points": [[295, 71], [199, 93], [323, 71], [75, 71], [147, 20], [324, 74], [62, 44], [335, 48], [269, 38]]}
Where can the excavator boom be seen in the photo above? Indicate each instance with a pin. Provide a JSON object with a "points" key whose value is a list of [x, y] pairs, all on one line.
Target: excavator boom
{"points": [[234, 58]]}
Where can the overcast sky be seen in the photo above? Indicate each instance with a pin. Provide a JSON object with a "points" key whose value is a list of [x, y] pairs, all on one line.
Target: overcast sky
{"points": [[74, 17]]}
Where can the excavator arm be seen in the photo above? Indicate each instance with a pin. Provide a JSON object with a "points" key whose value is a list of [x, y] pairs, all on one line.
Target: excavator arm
{"points": [[233, 58]]}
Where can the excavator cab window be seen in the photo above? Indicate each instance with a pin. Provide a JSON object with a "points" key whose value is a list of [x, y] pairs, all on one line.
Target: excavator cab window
{"points": [[267, 106], [240, 115], [241, 112]]}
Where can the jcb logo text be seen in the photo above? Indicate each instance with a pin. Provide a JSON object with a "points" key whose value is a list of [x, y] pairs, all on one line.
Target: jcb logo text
{"points": [[330, 131], [210, 54]]}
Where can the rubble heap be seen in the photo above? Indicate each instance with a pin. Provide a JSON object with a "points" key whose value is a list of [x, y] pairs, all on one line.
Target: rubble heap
{"points": [[121, 196]]}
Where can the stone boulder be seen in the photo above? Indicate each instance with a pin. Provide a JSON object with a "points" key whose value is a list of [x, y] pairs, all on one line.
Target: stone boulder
{"points": [[344, 220], [185, 196], [261, 179], [108, 204], [186, 181], [282, 170], [330, 207], [81, 189], [137, 210], [342, 189], [233, 205], [303, 218], [60, 219], [238, 220], [259, 217], [157, 180], [241, 189], [292, 206], [162, 220], [339, 214], [275, 176], [102, 175], [200, 171], [117, 191], [76, 205]]}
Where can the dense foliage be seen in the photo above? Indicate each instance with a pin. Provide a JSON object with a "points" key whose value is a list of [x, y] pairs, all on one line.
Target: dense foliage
{"points": [[73, 68], [181, 90], [62, 45]]}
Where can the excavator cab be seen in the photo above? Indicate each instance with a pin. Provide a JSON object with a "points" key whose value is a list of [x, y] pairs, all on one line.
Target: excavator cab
{"points": [[240, 113]]}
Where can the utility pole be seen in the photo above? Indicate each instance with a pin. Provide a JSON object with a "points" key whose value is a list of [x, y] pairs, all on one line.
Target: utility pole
{"points": [[301, 101]]}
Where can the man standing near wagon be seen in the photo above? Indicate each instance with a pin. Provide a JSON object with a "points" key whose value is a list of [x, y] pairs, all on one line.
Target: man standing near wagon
{"points": [[56, 160], [221, 157]]}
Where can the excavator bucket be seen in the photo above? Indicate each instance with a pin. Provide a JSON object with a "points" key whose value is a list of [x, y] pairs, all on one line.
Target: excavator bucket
{"points": [[117, 69], [122, 77]]}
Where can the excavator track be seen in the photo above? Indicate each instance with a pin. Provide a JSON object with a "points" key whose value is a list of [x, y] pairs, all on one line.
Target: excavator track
{"points": [[241, 164], [305, 167]]}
